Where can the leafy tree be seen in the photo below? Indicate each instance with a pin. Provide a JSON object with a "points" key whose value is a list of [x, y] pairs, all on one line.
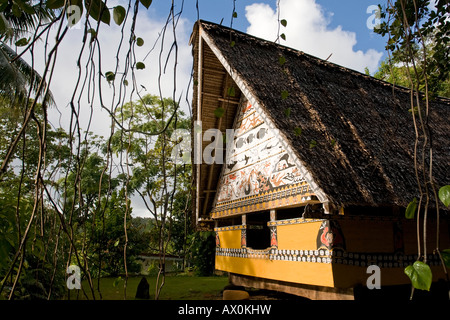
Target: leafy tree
{"points": [[203, 253], [418, 46], [24, 214], [395, 72], [147, 143], [418, 43]]}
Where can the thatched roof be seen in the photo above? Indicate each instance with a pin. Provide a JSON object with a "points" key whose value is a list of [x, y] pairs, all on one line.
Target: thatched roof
{"points": [[357, 134]]}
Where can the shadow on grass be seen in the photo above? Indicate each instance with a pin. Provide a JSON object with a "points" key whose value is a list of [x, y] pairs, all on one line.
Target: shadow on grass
{"points": [[175, 288]]}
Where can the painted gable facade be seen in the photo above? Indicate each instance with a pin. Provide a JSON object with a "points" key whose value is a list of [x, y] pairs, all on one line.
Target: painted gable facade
{"points": [[260, 173]]}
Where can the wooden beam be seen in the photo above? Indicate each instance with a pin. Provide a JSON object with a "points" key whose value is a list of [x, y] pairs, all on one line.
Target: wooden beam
{"points": [[199, 118], [227, 100], [219, 124], [303, 290], [221, 98], [222, 71]]}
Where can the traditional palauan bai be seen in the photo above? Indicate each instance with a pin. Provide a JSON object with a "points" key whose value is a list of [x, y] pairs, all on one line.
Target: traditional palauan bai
{"points": [[313, 167]]}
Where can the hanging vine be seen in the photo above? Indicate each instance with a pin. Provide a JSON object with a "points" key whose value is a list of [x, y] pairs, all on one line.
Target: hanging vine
{"points": [[418, 37]]}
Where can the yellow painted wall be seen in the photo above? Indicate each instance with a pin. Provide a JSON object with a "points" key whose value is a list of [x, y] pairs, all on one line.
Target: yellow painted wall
{"points": [[290, 236], [230, 239], [291, 271], [298, 236]]}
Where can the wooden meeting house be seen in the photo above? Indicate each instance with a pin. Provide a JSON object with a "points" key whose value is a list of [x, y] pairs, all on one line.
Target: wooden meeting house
{"points": [[317, 174]]}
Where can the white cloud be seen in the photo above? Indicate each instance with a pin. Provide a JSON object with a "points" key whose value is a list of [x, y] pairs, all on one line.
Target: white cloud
{"points": [[308, 30], [66, 72]]}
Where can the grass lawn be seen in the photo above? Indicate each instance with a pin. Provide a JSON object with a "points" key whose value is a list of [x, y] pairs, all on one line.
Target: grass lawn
{"points": [[175, 288]]}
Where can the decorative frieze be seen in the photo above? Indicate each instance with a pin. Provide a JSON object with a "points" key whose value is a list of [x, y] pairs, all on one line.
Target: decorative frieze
{"points": [[383, 260]]}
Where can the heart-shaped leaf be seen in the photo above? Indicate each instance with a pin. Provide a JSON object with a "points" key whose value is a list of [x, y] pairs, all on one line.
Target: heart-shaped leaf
{"points": [[98, 11], [411, 209], [119, 14], [420, 275], [146, 3], [444, 195]]}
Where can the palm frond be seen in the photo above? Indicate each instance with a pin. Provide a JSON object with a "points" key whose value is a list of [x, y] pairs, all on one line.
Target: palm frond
{"points": [[13, 26], [18, 77]]}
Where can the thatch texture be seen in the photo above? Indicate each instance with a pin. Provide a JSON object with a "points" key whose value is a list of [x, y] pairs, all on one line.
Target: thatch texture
{"points": [[357, 134]]}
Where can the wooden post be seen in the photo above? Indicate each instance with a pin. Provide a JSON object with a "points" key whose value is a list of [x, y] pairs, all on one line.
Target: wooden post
{"points": [[273, 215]]}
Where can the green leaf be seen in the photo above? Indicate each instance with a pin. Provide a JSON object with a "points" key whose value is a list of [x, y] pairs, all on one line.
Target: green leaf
{"points": [[232, 43], [74, 12], [140, 65], [283, 22], [235, 14], [283, 36], [110, 76], [146, 3], [16, 11], [411, 209], [116, 243], [420, 275], [284, 94], [140, 42], [287, 112], [3, 5], [116, 281], [119, 14], [25, 7], [231, 92], [298, 131], [312, 144], [93, 33], [21, 42], [444, 195], [96, 8], [219, 112], [446, 257], [54, 4], [281, 60]]}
